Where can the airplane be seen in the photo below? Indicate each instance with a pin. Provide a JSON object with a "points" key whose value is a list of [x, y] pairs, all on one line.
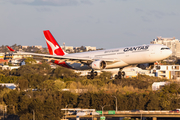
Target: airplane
{"points": [[104, 59], [107, 59]]}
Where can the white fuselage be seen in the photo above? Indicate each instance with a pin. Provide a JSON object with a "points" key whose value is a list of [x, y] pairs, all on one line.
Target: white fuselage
{"points": [[124, 56]]}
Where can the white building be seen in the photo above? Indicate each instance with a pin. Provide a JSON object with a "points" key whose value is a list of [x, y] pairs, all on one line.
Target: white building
{"points": [[15, 61], [1, 55], [38, 46], [24, 47], [89, 48], [158, 85], [20, 55], [9, 85], [17, 55], [68, 49], [7, 67], [167, 71], [134, 71]]}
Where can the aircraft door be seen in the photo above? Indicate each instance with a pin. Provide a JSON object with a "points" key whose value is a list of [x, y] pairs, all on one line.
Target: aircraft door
{"points": [[152, 54]]}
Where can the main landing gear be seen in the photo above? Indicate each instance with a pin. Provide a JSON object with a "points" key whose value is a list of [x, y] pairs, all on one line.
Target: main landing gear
{"points": [[92, 75], [120, 75]]}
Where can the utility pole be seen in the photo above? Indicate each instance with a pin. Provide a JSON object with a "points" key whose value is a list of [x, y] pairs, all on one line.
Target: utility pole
{"points": [[33, 115], [65, 110], [3, 112], [116, 102], [103, 108]]}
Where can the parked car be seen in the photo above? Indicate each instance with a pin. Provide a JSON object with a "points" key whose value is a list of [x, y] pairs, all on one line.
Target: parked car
{"points": [[72, 113], [94, 113], [135, 110], [81, 113], [174, 111]]}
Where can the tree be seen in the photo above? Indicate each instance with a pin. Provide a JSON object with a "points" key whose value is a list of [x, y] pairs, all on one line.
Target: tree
{"points": [[52, 85], [34, 73], [8, 79], [153, 102], [132, 101], [84, 100], [30, 60], [105, 76], [61, 72], [3, 90], [10, 64], [59, 85], [23, 84], [11, 99], [141, 101]]}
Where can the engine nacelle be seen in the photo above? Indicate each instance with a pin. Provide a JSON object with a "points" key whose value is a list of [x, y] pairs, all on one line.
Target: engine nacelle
{"points": [[98, 65]]}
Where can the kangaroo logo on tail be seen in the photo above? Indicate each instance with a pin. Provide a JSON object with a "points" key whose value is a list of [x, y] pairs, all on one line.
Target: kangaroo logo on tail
{"points": [[54, 48]]}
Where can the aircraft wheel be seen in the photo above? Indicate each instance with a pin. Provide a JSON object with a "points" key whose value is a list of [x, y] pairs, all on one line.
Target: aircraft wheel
{"points": [[119, 76], [95, 73], [92, 76], [123, 74], [119, 73], [116, 76], [88, 76], [92, 73]]}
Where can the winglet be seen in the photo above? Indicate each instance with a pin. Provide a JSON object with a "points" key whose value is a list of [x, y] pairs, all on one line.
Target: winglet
{"points": [[54, 48], [10, 49]]}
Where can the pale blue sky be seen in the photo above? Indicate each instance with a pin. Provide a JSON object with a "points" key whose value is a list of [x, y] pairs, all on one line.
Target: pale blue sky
{"points": [[100, 23]]}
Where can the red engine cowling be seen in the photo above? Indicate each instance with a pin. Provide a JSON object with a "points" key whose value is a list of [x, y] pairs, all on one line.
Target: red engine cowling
{"points": [[98, 65]]}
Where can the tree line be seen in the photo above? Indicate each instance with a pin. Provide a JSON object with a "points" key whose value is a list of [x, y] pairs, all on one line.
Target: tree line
{"points": [[40, 89], [47, 104]]}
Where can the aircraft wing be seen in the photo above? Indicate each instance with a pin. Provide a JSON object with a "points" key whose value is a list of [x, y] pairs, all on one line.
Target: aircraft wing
{"points": [[70, 58]]}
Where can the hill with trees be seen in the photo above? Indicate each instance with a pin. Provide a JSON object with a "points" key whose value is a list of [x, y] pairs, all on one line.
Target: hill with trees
{"points": [[41, 89]]}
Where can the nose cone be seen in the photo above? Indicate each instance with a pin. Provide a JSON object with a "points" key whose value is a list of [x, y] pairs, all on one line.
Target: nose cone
{"points": [[169, 52]]}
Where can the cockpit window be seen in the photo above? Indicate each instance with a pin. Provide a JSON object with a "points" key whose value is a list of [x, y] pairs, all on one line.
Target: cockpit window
{"points": [[165, 48]]}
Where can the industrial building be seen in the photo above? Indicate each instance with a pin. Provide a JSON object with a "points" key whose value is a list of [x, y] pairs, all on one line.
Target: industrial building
{"points": [[7, 67], [9, 55], [163, 71], [134, 71], [159, 85], [167, 71], [9, 85], [71, 49]]}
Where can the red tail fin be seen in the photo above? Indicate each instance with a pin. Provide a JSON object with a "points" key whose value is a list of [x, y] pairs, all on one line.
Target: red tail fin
{"points": [[54, 48], [10, 49]]}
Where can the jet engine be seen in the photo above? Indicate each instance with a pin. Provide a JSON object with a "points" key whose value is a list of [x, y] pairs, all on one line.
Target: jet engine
{"points": [[98, 65]]}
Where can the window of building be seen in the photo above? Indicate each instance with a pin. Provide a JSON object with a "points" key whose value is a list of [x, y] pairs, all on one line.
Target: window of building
{"points": [[177, 67]]}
